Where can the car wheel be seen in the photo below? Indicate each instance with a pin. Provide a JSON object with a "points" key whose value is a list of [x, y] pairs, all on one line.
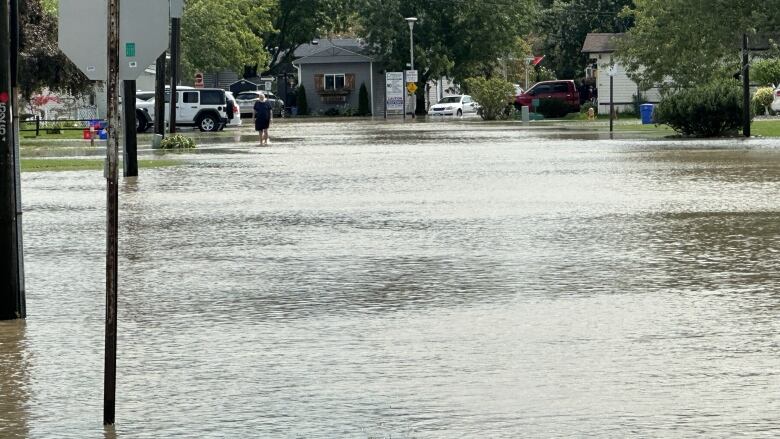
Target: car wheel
{"points": [[141, 124], [208, 122], [460, 113]]}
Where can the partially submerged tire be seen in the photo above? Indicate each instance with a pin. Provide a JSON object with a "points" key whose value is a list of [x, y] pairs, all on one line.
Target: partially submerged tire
{"points": [[208, 122]]}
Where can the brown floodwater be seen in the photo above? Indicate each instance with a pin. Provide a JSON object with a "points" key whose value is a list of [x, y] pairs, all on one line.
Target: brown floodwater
{"points": [[362, 279]]}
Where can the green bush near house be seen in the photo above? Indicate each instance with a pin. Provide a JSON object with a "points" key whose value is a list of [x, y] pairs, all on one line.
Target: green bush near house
{"points": [[364, 107], [708, 110], [493, 96], [766, 71], [303, 105], [177, 141]]}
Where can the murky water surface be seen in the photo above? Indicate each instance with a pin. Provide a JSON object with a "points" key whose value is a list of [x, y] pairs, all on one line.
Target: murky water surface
{"points": [[439, 280]]}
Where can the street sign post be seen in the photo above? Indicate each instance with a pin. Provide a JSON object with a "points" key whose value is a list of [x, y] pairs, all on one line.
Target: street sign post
{"points": [[411, 76]]}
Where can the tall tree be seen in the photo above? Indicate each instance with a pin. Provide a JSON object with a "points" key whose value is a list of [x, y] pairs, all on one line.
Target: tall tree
{"points": [[458, 38], [691, 41], [224, 34], [297, 22], [564, 24], [41, 63]]}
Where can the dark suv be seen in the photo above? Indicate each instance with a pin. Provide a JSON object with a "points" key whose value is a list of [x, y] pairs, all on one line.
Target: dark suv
{"points": [[560, 90]]}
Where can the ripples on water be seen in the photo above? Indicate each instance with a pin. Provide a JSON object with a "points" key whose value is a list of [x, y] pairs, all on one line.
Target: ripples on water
{"points": [[421, 280]]}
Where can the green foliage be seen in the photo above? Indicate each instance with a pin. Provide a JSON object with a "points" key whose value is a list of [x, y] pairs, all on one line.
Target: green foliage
{"points": [[587, 106], [552, 108], [763, 99], [364, 107], [177, 141], [41, 64], [302, 103], [563, 26], [689, 42], [708, 110], [493, 95], [224, 34], [766, 71], [297, 22], [331, 112], [459, 39]]}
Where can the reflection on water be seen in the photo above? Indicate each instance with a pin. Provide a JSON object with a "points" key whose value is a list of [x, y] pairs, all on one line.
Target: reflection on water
{"points": [[370, 279]]}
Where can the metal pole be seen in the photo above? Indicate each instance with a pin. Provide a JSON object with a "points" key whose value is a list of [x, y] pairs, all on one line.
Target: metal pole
{"points": [[745, 86], [130, 150], [404, 95], [175, 37], [159, 96], [612, 99], [12, 298], [411, 57], [112, 153]]}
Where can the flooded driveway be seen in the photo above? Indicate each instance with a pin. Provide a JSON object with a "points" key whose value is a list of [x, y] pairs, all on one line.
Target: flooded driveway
{"points": [[424, 280]]}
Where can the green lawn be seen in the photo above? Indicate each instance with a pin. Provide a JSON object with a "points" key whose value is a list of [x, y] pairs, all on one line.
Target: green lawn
{"points": [[766, 128], [59, 164]]}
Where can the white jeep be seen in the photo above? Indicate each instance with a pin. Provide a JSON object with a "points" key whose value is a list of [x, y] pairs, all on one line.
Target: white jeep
{"points": [[205, 108]]}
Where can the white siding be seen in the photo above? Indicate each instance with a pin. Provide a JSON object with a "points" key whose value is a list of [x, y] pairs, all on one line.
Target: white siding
{"points": [[625, 88]]}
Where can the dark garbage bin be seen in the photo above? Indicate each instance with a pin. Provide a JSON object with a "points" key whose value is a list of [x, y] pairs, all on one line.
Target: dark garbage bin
{"points": [[646, 110]]}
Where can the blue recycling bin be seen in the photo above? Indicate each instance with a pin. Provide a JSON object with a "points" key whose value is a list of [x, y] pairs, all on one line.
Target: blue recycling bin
{"points": [[646, 110]]}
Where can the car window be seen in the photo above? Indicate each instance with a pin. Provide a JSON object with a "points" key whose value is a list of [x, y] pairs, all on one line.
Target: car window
{"points": [[466, 99], [247, 96], [270, 96], [190, 97], [560, 88], [212, 97], [540, 89], [450, 100]]}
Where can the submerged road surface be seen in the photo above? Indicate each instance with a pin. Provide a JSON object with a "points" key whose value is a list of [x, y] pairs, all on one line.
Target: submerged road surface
{"points": [[420, 280]]}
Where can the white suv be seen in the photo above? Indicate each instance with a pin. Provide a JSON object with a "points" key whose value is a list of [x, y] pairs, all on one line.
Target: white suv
{"points": [[204, 108], [776, 101]]}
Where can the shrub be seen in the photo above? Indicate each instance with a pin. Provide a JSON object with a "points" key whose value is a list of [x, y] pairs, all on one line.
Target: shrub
{"points": [[552, 108], [766, 71], [763, 99], [492, 95], [708, 110], [332, 112], [587, 106], [177, 141], [364, 107], [303, 105]]}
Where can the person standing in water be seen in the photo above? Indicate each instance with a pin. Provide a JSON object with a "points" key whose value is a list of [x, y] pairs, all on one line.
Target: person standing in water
{"points": [[262, 118]]}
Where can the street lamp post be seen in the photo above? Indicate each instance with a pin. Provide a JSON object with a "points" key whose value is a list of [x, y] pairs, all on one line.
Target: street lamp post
{"points": [[411, 21]]}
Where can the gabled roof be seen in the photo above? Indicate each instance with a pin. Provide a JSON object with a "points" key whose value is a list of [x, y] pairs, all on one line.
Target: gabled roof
{"points": [[332, 55], [351, 44], [601, 42]]}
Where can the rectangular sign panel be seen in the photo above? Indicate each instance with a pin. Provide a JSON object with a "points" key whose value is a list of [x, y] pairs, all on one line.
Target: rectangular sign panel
{"points": [[411, 76], [394, 91]]}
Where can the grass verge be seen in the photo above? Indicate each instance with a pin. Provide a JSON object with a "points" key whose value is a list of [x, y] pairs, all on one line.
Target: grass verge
{"points": [[54, 165]]}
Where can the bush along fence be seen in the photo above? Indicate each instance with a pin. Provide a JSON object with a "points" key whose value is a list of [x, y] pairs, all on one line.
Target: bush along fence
{"points": [[87, 126]]}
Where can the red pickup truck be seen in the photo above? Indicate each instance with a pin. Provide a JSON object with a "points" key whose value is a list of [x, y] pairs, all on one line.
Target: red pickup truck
{"points": [[563, 90]]}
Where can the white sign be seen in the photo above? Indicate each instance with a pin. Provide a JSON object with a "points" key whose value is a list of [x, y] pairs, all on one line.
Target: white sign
{"points": [[411, 76], [394, 91], [612, 70]]}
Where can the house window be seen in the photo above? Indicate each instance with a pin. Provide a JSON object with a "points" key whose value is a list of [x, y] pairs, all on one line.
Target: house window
{"points": [[334, 81]]}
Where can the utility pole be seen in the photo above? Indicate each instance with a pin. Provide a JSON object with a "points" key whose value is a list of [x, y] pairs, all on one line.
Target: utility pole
{"points": [[129, 134], [12, 296], [745, 86], [175, 52], [112, 153], [159, 96]]}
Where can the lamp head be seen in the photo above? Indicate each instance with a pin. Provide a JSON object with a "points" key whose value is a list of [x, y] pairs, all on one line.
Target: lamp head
{"points": [[411, 21]]}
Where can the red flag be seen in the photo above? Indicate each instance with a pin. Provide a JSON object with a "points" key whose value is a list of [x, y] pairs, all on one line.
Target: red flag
{"points": [[537, 60]]}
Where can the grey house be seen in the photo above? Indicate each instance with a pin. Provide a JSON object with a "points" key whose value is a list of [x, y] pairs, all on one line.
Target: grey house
{"points": [[332, 72]]}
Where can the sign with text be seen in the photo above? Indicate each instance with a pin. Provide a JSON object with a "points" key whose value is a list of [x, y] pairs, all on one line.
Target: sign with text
{"points": [[394, 91], [411, 76]]}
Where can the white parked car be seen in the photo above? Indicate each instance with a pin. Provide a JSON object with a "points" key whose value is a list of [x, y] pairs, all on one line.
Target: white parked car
{"points": [[246, 102], [460, 105], [776, 101], [233, 112]]}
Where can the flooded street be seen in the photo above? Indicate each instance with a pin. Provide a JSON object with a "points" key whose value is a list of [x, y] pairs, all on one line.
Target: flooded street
{"points": [[365, 279]]}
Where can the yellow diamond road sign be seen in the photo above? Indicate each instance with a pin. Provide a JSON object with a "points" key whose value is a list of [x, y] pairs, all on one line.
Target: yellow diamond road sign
{"points": [[411, 87]]}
